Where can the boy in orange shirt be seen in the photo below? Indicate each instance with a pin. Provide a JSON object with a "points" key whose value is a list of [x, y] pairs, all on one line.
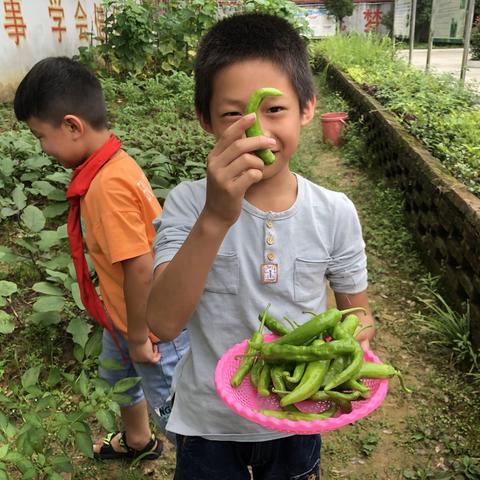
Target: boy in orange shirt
{"points": [[112, 202]]}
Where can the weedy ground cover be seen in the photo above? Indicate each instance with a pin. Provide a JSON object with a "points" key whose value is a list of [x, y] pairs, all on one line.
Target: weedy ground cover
{"points": [[437, 109]]}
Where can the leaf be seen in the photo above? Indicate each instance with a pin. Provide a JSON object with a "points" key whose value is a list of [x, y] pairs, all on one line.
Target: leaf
{"points": [[57, 195], [49, 303], [42, 187], [19, 198], [62, 231], [6, 165], [37, 162], [94, 344], [82, 383], [111, 364], [3, 451], [76, 295], [7, 212], [33, 218], [61, 177], [79, 329], [47, 288], [45, 318], [125, 384], [6, 324], [48, 239], [106, 419], [54, 376], [30, 377], [55, 210], [84, 444], [56, 275], [7, 288]]}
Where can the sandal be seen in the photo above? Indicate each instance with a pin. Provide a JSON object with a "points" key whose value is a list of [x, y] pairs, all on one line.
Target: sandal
{"points": [[151, 451]]}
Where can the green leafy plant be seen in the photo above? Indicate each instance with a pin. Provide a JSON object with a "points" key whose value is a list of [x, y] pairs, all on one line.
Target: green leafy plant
{"points": [[436, 109], [450, 330]]}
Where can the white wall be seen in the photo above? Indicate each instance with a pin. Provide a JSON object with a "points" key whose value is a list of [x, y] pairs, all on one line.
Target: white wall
{"points": [[43, 28]]}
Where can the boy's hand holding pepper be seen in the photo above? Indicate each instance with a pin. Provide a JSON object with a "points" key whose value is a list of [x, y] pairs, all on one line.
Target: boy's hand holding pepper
{"points": [[232, 168]]}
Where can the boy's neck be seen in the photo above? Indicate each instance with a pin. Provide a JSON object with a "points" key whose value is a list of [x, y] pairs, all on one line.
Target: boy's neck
{"points": [[94, 140], [275, 194]]}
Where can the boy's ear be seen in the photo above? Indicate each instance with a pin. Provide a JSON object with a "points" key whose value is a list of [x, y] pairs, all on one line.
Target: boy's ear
{"points": [[74, 125], [308, 111], [203, 123]]}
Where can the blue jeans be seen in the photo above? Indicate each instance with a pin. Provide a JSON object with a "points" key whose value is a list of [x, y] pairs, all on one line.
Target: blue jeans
{"points": [[156, 379], [290, 458]]}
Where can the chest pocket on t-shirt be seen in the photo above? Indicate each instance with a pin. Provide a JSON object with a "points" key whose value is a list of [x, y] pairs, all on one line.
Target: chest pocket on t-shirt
{"points": [[224, 274], [309, 279]]}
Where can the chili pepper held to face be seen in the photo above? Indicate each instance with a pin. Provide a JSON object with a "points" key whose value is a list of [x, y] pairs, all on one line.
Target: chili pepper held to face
{"points": [[255, 130], [314, 327]]}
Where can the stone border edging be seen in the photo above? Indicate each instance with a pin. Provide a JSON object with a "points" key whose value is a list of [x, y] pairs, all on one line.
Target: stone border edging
{"points": [[445, 215]]}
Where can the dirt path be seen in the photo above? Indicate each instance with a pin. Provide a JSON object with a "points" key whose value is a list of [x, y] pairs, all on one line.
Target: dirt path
{"points": [[408, 436]]}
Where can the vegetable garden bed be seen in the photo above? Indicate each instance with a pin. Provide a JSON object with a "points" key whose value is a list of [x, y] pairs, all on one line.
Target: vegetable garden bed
{"points": [[445, 215]]}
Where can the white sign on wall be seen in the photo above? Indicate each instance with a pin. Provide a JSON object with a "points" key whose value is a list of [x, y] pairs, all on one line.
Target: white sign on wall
{"points": [[32, 30], [367, 17], [448, 19], [320, 22], [401, 18]]}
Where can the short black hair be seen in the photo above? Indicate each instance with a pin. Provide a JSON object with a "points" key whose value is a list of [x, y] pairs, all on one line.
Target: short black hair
{"points": [[59, 86], [251, 36]]}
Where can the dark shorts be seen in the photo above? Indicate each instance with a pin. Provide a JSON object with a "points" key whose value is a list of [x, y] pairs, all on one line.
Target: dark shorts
{"points": [[290, 458]]}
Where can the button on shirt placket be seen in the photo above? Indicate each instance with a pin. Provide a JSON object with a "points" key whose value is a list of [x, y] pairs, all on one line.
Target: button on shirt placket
{"points": [[270, 251]]}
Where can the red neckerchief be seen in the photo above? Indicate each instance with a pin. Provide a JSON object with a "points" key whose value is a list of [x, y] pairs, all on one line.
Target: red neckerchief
{"points": [[81, 179]]}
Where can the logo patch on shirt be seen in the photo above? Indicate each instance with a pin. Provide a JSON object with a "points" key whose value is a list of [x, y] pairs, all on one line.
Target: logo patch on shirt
{"points": [[269, 273]]}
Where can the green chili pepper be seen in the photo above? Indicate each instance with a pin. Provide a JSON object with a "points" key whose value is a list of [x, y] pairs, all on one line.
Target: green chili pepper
{"points": [[381, 370], [256, 129], [297, 374], [355, 384], [248, 359], [293, 353], [263, 386], [274, 325], [314, 327], [300, 415], [276, 374], [350, 323], [322, 395], [351, 371], [255, 371], [310, 382]]}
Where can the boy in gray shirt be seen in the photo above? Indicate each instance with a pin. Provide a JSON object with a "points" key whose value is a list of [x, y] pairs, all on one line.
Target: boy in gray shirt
{"points": [[248, 235]]}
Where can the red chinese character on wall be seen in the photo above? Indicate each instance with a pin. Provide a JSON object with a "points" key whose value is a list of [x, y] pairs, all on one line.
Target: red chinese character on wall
{"points": [[100, 20], [372, 19], [56, 13], [81, 21], [14, 24]]}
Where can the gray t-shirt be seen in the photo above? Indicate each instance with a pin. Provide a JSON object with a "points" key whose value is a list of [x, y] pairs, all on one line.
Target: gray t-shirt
{"points": [[318, 239]]}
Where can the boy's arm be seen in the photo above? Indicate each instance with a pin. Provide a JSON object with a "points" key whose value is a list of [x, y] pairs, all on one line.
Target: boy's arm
{"points": [[178, 285], [349, 300], [137, 274]]}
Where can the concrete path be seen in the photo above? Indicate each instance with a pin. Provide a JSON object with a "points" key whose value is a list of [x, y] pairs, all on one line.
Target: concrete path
{"points": [[446, 60]]}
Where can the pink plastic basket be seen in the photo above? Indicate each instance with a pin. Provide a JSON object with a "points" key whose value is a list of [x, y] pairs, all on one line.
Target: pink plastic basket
{"points": [[245, 401]]}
